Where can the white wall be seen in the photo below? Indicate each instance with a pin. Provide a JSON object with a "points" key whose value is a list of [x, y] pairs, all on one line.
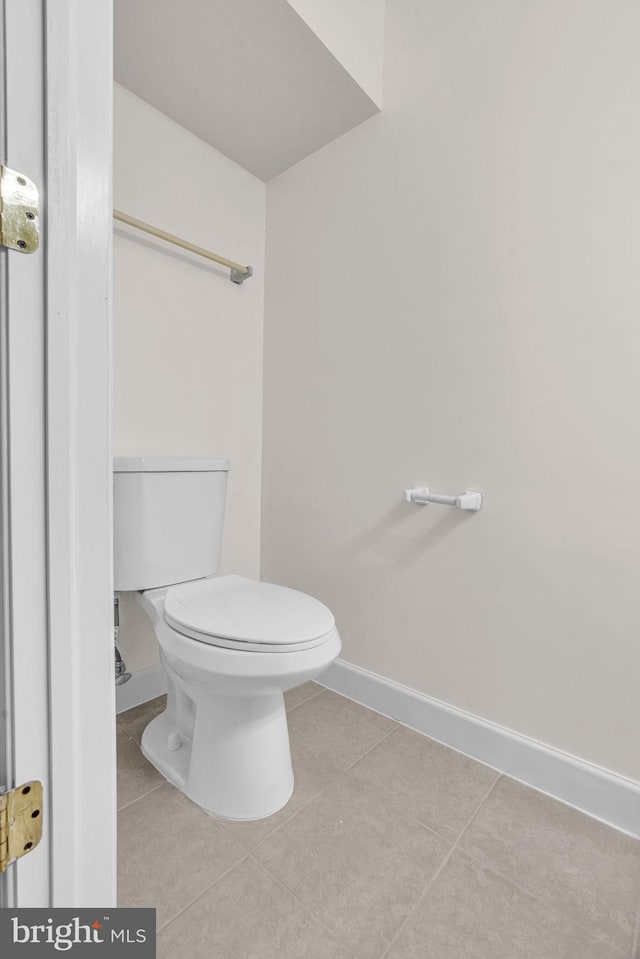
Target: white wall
{"points": [[188, 342], [353, 30], [453, 299]]}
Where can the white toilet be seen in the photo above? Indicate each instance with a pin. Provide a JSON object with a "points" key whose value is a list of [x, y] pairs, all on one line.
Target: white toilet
{"points": [[230, 646]]}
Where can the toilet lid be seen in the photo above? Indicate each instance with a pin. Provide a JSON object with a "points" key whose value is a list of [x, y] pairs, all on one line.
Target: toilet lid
{"points": [[242, 613]]}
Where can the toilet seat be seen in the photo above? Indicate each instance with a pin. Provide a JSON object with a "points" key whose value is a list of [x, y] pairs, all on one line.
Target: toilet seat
{"points": [[239, 613]]}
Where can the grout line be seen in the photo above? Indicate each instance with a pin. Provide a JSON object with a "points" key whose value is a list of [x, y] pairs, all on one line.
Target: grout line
{"points": [[333, 780], [527, 892], [455, 846], [373, 792], [379, 795], [490, 867], [299, 742], [367, 751], [123, 729], [446, 837], [149, 791], [635, 949], [355, 702], [306, 700], [292, 892], [497, 871], [418, 902], [225, 873], [292, 816], [366, 789], [392, 803], [282, 824], [283, 882], [204, 891], [635, 954], [438, 871], [480, 805], [138, 798]]}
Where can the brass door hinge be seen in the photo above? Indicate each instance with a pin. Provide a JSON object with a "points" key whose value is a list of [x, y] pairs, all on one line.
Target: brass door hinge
{"points": [[20, 822], [19, 209]]}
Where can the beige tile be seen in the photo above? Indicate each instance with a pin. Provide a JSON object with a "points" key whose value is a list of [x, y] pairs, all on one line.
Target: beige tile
{"points": [[136, 775], [438, 786], [299, 694], [472, 913], [311, 773], [169, 852], [133, 721], [248, 915], [587, 871], [356, 864], [332, 725]]}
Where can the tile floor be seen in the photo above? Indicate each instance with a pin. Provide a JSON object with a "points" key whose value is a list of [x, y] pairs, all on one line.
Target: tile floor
{"points": [[391, 846]]}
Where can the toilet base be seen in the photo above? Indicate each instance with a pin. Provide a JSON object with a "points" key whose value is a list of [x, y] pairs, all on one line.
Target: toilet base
{"points": [[238, 765]]}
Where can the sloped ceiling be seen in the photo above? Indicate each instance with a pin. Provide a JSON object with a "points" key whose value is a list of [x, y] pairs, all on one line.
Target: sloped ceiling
{"points": [[247, 76]]}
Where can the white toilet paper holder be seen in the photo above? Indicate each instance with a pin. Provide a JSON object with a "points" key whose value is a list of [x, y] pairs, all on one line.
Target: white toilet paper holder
{"points": [[469, 500]]}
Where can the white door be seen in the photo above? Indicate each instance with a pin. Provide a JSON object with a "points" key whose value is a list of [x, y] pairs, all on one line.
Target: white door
{"points": [[56, 653]]}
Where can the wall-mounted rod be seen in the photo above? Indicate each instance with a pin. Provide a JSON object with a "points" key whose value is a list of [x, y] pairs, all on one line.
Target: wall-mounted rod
{"points": [[470, 500], [239, 273]]}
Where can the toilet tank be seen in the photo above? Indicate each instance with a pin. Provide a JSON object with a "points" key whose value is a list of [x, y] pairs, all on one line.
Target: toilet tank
{"points": [[168, 517]]}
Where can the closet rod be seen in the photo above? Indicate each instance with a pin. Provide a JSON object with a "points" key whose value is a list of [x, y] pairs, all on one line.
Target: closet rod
{"points": [[239, 273]]}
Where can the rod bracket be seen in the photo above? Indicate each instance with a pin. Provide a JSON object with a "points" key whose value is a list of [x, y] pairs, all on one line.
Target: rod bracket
{"points": [[239, 276]]}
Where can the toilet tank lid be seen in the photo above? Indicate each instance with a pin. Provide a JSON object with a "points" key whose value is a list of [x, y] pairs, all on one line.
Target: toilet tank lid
{"points": [[169, 464]]}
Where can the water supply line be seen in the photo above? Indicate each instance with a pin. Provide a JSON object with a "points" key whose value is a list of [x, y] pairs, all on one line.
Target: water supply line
{"points": [[122, 676]]}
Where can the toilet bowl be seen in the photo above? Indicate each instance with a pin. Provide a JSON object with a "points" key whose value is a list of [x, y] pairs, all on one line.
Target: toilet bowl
{"points": [[223, 738], [230, 646]]}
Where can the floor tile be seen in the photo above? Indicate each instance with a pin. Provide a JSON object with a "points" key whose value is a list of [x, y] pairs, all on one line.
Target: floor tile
{"points": [[311, 773], [133, 721], [169, 852], [355, 863], [332, 725], [299, 694], [436, 785], [472, 913], [590, 872], [136, 775], [248, 915]]}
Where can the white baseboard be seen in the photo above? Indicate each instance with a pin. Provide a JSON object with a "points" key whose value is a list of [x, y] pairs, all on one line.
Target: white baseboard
{"points": [[145, 684], [595, 791]]}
